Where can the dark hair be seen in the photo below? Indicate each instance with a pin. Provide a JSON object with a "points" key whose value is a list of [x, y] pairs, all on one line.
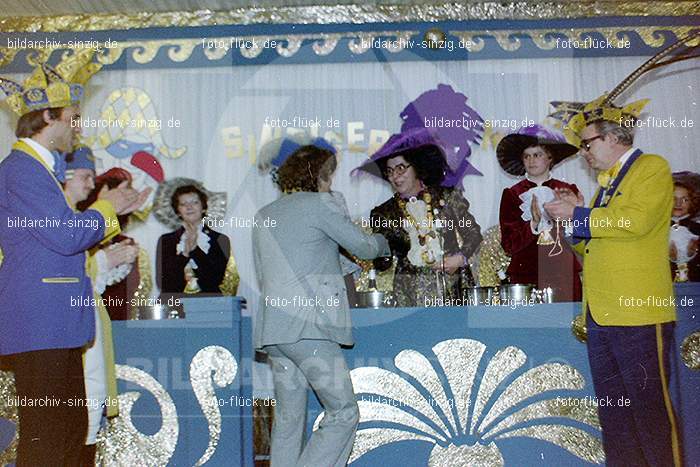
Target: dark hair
{"points": [[33, 122], [546, 151], [184, 190], [428, 161], [304, 168], [111, 182], [693, 194]]}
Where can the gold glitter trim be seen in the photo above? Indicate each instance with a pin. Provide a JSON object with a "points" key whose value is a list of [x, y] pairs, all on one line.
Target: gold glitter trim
{"points": [[690, 351], [338, 14], [213, 364], [143, 291], [9, 412], [492, 258], [229, 285]]}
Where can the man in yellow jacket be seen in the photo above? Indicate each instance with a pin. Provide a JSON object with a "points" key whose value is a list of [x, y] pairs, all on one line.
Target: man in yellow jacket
{"points": [[628, 294]]}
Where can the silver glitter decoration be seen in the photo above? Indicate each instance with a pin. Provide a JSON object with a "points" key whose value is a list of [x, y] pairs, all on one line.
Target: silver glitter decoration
{"points": [[690, 351], [9, 411], [418, 366], [573, 408], [327, 44], [502, 365], [476, 455], [215, 364], [542, 378], [459, 359], [121, 444], [372, 438], [343, 14], [386, 384], [578, 442]]}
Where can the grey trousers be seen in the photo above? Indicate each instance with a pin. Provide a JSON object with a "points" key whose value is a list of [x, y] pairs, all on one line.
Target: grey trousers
{"points": [[320, 365]]}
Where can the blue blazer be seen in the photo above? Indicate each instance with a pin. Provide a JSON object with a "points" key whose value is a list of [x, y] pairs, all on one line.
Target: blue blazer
{"points": [[45, 293]]}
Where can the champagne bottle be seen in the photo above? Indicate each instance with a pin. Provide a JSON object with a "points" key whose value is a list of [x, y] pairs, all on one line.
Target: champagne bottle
{"points": [[372, 280]]}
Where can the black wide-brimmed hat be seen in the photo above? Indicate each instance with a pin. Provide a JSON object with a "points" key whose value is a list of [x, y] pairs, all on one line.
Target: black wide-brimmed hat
{"points": [[511, 147]]}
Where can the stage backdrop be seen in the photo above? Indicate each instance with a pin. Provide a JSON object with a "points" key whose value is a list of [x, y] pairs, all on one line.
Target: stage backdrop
{"points": [[204, 105]]}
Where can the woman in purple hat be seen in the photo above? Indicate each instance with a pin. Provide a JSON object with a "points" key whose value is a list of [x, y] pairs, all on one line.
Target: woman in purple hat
{"points": [[539, 254], [685, 261], [429, 227]]}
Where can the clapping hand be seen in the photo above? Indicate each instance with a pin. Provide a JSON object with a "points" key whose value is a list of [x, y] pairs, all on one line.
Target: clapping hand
{"points": [[536, 213], [562, 208], [566, 194], [191, 233], [124, 252]]}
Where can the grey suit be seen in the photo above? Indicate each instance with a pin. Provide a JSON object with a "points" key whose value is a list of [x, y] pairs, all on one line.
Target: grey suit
{"points": [[303, 317], [298, 259]]}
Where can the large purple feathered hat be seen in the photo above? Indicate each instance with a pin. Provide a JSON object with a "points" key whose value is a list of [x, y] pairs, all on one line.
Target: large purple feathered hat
{"points": [[511, 147], [411, 139]]}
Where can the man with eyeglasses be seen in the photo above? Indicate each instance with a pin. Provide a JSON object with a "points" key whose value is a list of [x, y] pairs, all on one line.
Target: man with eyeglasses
{"points": [[627, 289]]}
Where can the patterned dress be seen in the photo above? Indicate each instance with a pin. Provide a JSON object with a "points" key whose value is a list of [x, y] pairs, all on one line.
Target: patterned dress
{"points": [[420, 285]]}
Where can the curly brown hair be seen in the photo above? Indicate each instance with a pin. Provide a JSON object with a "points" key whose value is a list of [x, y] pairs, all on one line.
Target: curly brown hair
{"points": [[693, 194], [304, 168]]}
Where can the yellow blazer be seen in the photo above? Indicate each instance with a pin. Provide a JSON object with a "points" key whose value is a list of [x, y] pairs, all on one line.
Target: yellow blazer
{"points": [[626, 278]]}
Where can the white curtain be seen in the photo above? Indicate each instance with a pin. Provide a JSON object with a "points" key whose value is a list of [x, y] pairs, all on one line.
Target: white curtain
{"points": [[214, 105]]}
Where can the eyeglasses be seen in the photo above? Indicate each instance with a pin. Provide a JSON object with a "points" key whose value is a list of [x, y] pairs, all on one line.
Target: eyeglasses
{"points": [[397, 169], [586, 143]]}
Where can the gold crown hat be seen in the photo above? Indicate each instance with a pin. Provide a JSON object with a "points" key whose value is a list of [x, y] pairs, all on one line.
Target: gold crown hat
{"points": [[49, 87], [575, 116]]}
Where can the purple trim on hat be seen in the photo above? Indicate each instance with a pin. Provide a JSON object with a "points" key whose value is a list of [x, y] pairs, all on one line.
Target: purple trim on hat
{"points": [[541, 132]]}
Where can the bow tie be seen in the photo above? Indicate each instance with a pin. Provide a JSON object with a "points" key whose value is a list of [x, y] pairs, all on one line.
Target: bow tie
{"points": [[59, 166], [607, 176]]}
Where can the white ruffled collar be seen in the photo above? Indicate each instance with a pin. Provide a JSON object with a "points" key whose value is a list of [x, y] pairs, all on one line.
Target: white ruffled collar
{"points": [[203, 242]]}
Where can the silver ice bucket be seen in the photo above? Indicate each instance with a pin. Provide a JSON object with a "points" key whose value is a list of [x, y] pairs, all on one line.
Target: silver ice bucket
{"points": [[515, 293], [160, 311], [375, 299], [474, 296]]}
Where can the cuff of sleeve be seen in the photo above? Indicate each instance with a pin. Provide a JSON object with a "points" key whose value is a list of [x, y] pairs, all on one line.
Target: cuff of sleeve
{"points": [[106, 209], [533, 229], [581, 221]]}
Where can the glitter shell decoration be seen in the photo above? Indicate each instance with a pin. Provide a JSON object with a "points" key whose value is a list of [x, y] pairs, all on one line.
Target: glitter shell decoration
{"points": [[467, 432]]}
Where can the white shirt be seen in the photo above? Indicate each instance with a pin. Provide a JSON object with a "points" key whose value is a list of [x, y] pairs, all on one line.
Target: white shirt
{"points": [[44, 153], [623, 159]]}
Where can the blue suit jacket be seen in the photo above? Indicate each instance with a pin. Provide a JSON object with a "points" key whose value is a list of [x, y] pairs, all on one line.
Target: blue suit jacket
{"points": [[45, 294]]}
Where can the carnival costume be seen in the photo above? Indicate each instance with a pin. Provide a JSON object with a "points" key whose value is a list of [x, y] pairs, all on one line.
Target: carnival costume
{"points": [[685, 230], [539, 256], [42, 332], [210, 267], [623, 237], [423, 229]]}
